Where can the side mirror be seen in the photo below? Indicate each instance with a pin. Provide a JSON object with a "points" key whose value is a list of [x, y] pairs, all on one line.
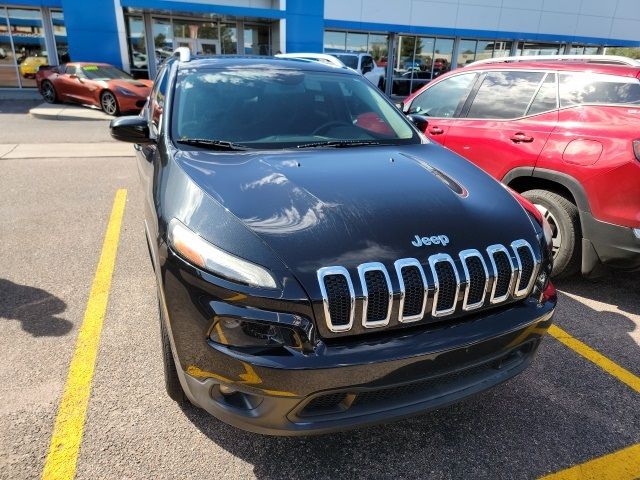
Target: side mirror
{"points": [[132, 129], [419, 121], [73, 76], [367, 69]]}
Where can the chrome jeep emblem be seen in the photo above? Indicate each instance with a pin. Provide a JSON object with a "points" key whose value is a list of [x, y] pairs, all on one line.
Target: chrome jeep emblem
{"points": [[433, 240]]}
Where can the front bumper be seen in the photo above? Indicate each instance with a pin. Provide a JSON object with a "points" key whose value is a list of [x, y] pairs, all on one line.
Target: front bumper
{"points": [[341, 384]]}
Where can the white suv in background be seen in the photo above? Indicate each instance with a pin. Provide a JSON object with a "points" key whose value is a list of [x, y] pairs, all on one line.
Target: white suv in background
{"points": [[363, 63]]}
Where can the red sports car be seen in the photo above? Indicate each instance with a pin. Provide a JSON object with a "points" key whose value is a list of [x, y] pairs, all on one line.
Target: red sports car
{"points": [[97, 84]]}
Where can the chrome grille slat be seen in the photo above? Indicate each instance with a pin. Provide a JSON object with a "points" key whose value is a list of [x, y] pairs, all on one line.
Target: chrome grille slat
{"points": [[516, 246], [336, 270], [406, 263], [362, 273], [509, 273], [465, 256], [493, 250], [434, 260]]}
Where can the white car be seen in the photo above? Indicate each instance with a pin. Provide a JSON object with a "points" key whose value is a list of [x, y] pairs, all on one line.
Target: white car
{"points": [[362, 63], [315, 57]]}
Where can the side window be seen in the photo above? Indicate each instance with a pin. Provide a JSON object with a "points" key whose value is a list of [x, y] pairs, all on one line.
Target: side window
{"points": [[367, 63], [579, 88], [158, 95], [547, 97], [505, 94], [443, 99]]}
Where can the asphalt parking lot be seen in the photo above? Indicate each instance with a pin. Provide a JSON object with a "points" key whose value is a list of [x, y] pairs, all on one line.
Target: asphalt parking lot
{"points": [[566, 410]]}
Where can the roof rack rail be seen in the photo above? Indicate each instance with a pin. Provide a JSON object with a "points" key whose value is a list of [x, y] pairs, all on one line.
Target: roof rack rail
{"points": [[602, 59], [183, 54]]}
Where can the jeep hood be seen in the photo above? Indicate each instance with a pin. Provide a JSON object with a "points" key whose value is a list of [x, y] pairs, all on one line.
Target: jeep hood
{"points": [[324, 207]]}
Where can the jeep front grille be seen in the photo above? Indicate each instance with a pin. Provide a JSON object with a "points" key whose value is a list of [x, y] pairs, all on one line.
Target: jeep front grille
{"points": [[473, 280]]}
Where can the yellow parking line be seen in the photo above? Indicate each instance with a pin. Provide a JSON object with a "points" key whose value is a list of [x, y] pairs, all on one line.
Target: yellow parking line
{"points": [[612, 368], [621, 465], [67, 431]]}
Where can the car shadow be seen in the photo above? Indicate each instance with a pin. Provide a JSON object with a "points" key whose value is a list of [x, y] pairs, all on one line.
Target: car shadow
{"points": [[34, 308], [616, 288]]}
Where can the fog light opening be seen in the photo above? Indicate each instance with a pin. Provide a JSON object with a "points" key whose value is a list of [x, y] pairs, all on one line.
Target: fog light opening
{"points": [[230, 397]]}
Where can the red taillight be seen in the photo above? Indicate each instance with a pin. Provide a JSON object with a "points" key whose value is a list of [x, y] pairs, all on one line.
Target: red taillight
{"points": [[636, 149]]}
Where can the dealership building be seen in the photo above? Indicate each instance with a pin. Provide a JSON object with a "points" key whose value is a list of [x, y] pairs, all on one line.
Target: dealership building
{"points": [[401, 35]]}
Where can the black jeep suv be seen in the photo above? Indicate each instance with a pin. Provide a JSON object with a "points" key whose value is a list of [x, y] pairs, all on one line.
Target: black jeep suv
{"points": [[320, 263]]}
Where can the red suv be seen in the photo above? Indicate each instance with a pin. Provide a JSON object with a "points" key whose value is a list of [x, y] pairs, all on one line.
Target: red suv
{"points": [[566, 135]]}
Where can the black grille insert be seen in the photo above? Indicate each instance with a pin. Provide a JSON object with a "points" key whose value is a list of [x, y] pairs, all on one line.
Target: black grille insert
{"points": [[339, 299], [378, 295], [447, 285], [526, 259], [477, 280], [503, 273], [414, 291]]}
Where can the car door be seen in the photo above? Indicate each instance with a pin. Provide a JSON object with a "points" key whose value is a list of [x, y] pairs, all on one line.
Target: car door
{"points": [[62, 82], [441, 102], [507, 120]]}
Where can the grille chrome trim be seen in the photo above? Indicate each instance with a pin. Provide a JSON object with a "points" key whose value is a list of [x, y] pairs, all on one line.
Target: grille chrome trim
{"points": [[515, 245], [368, 267], [336, 270], [433, 261], [399, 265], [492, 250], [464, 256]]}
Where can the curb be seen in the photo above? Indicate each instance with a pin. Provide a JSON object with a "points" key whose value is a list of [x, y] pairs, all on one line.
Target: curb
{"points": [[46, 111]]}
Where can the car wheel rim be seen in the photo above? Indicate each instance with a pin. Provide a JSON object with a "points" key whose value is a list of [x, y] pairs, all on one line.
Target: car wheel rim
{"points": [[556, 235], [47, 92], [109, 104]]}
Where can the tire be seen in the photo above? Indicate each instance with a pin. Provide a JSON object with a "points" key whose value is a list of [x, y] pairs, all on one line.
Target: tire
{"points": [[48, 92], [564, 220], [171, 380], [109, 103]]}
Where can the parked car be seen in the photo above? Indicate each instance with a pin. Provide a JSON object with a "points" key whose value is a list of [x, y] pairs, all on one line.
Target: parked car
{"points": [[315, 274], [30, 65], [364, 64], [97, 84], [314, 57], [565, 134]]}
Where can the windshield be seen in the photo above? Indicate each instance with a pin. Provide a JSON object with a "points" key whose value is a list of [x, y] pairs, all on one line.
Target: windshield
{"points": [[103, 72], [350, 61], [273, 109]]}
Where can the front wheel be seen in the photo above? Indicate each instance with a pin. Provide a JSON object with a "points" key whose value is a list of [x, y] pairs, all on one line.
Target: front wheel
{"points": [[564, 221], [109, 103], [48, 92]]}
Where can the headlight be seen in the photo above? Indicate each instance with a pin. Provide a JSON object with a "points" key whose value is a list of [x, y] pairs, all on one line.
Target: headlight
{"points": [[203, 254], [125, 92]]}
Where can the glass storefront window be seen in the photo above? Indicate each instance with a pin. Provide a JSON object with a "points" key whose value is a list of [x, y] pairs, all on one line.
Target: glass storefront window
{"points": [[137, 47], [501, 48], [8, 75], [228, 39], [484, 50], [60, 36], [335, 41], [442, 56], [356, 42], [162, 39], [526, 48], [257, 40], [378, 47], [466, 52], [27, 33]]}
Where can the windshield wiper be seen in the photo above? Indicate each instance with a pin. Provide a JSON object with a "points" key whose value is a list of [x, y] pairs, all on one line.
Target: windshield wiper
{"points": [[340, 143], [212, 144]]}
